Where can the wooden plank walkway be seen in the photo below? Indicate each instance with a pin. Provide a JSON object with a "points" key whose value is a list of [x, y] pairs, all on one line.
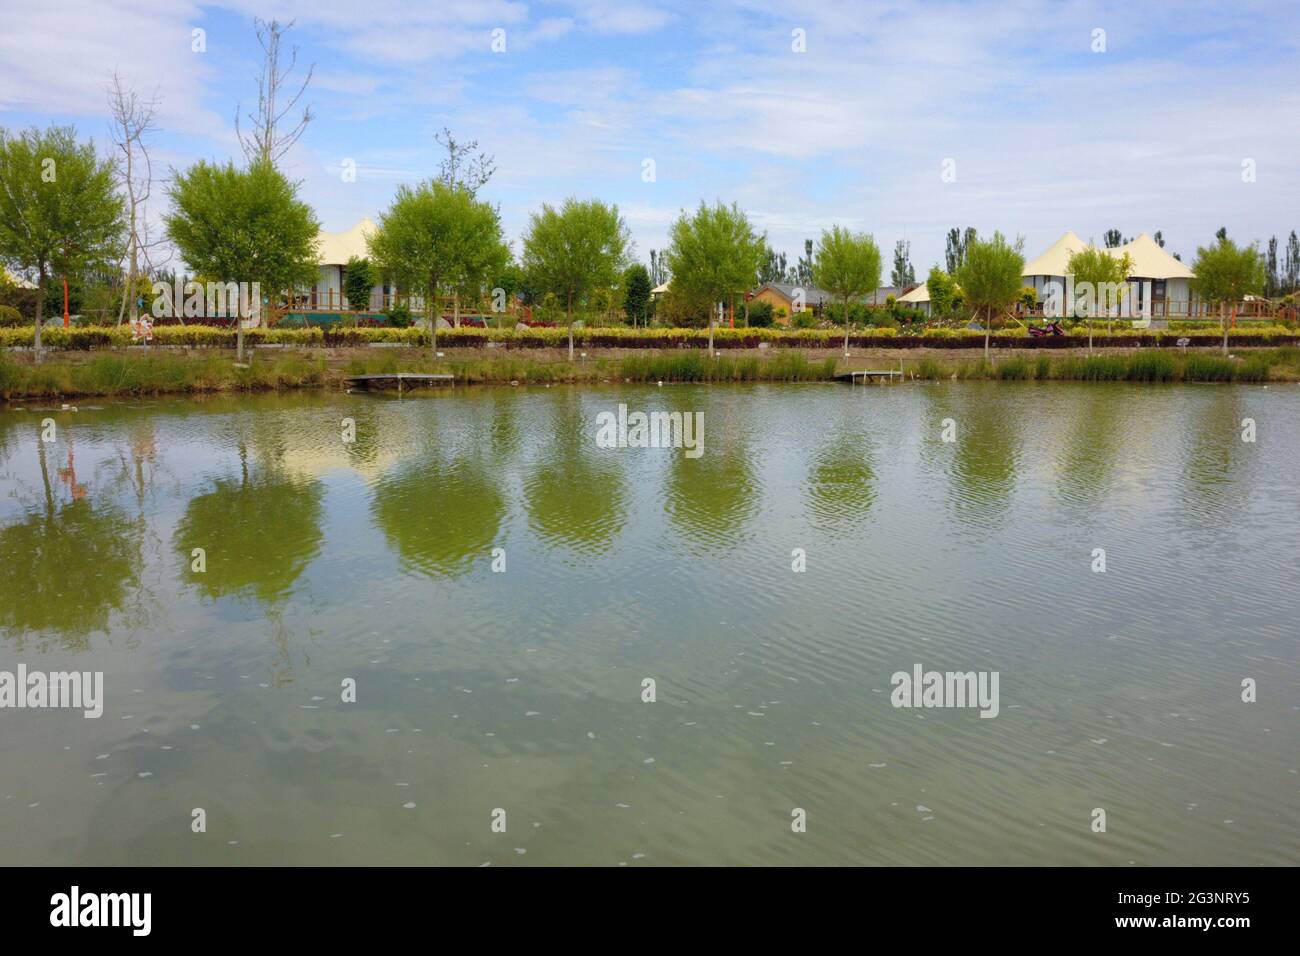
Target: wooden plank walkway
{"points": [[867, 374], [400, 379]]}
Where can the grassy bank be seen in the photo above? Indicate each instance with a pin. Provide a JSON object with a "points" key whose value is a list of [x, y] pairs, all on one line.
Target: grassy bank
{"points": [[111, 375], [71, 375], [1263, 365]]}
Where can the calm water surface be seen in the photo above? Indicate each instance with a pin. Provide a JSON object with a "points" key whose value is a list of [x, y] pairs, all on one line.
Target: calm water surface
{"points": [[522, 690]]}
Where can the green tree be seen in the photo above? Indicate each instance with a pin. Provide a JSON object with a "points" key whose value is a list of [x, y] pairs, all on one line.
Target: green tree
{"points": [[714, 255], [943, 292], [636, 295], [243, 225], [434, 236], [1099, 279], [358, 280], [955, 248], [1226, 274], [574, 250], [847, 265], [60, 213], [509, 280], [1291, 270], [990, 277], [478, 253], [903, 274], [772, 268]]}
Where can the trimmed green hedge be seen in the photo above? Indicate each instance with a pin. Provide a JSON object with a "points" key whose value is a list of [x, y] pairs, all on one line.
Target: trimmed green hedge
{"points": [[94, 337]]}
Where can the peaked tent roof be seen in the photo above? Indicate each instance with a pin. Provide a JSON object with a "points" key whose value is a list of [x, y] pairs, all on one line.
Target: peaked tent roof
{"points": [[1152, 262], [1149, 260], [1055, 260], [336, 248], [659, 289], [920, 294]]}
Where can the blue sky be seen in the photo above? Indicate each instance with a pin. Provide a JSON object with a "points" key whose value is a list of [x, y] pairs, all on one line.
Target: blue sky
{"points": [[1045, 134]]}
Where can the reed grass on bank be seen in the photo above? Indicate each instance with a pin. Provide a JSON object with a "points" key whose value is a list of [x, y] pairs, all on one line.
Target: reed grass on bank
{"points": [[135, 374], [111, 375], [1146, 366]]}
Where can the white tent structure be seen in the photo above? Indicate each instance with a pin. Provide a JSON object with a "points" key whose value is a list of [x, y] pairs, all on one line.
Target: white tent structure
{"points": [[1159, 284], [333, 250]]}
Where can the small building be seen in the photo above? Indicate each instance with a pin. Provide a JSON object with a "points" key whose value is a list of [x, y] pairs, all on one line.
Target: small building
{"points": [[658, 291], [787, 298], [918, 298], [1159, 284], [333, 250]]}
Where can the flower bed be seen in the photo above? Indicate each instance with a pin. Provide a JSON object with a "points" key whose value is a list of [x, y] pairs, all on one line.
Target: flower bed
{"points": [[199, 336]]}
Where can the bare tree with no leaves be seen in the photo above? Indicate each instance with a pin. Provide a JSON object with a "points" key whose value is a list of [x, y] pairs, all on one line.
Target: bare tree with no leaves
{"points": [[265, 143], [466, 166], [133, 121]]}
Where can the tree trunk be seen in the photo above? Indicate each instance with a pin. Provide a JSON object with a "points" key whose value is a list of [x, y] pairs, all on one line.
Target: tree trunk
{"points": [[569, 315], [711, 333], [455, 308], [988, 335], [429, 310], [1223, 319], [135, 241], [135, 271], [40, 308], [846, 327]]}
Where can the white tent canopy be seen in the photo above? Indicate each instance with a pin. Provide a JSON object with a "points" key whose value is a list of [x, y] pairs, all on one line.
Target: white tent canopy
{"points": [[336, 248], [1149, 260], [1055, 261]]}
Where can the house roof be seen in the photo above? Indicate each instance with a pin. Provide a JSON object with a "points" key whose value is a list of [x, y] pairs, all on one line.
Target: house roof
{"points": [[920, 295], [1149, 260], [336, 248], [811, 294], [660, 289]]}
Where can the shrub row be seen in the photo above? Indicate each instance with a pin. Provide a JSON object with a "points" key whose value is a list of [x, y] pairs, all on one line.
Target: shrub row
{"points": [[92, 337], [95, 337]]}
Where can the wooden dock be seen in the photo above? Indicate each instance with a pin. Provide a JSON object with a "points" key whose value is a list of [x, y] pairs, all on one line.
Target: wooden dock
{"points": [[865, 375], [402, 380]]}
